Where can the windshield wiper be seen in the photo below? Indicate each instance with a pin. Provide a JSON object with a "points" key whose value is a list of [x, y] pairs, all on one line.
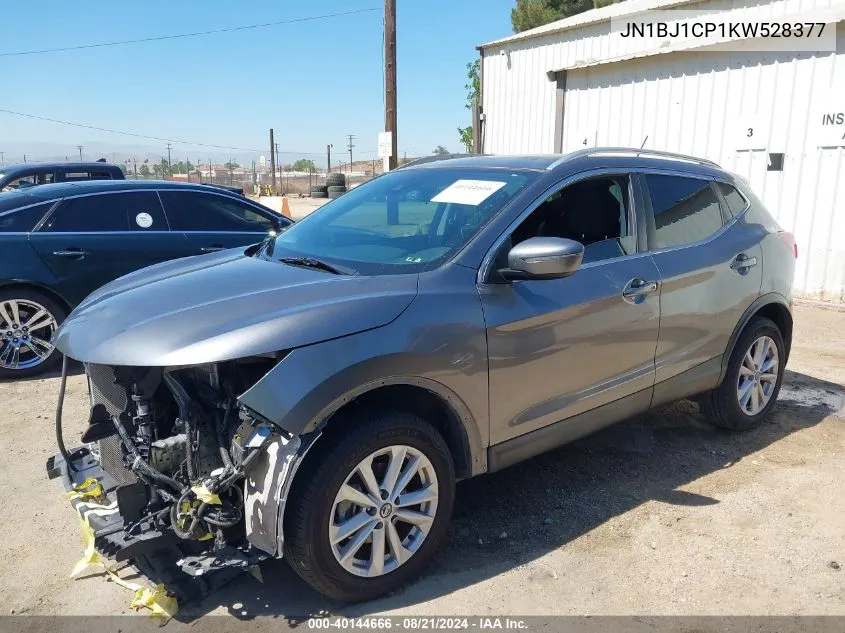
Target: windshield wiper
{"points": [[310, 262]]}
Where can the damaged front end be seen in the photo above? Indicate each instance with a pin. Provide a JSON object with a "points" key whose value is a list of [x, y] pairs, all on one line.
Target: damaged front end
{"points": [[194, 481]]}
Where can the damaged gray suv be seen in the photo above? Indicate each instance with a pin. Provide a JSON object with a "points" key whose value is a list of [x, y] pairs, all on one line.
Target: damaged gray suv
{"points": [[316, 396]]}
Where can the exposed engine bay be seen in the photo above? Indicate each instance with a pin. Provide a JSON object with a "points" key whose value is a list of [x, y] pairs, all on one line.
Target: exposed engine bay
{"points": [[177, 452]]}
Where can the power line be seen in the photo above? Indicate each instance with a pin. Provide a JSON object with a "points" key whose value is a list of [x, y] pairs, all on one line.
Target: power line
{"points": [[195, 34], [145, 136]]}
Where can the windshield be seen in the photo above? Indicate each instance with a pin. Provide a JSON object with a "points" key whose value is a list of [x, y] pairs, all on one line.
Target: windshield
{"points": [[403, 222]]}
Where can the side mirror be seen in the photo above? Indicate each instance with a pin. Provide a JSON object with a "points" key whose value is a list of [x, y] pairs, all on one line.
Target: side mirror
{"points": [[543, 258]]}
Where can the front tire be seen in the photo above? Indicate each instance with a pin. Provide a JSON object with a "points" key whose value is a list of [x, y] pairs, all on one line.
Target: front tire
{"points": [[28, 320], [370, 506], [752, 381]]}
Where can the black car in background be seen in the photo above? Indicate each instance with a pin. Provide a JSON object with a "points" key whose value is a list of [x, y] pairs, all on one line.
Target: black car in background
{"points": [[60, 242], [24, 175]]}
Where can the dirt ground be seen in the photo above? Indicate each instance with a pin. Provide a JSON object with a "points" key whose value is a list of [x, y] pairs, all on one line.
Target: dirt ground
{"points": [[658, 515]]}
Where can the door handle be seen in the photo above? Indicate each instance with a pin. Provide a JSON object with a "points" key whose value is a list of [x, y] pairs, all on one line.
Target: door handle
{"points": [[742, 262], [76, 253], [211, 249], [638, 288]]}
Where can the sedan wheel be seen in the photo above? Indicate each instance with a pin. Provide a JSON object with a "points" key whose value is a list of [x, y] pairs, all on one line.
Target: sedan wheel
{"points": [[383, 511], [26, 328]]}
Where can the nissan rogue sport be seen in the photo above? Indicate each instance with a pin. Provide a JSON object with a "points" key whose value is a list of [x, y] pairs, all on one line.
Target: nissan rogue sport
{"points": [[316, 396]]}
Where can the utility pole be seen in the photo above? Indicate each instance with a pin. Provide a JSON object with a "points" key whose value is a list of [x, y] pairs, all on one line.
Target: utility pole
{"points": [[2, 158], [135, 165], [210, 172], [273, 161], [79, 147], [329, 159], [281, 176], [169, 164], [390, 77], [349, 146]]}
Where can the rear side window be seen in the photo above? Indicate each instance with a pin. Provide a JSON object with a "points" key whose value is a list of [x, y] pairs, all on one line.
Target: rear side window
{"points": [[736, 203], [127, 211], [75, 176], [24, 220], [686, 210], [195, 211], [30, 180]]}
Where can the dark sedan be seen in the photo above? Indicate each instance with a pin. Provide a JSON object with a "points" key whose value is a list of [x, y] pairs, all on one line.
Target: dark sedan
{"points": [[60, 242]]}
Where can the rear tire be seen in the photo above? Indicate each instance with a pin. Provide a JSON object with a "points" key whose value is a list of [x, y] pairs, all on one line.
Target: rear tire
{"points": [[314, 509], [32, 309], [750, 388]]}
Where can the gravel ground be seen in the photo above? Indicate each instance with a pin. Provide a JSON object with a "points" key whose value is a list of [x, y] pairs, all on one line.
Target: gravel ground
{"points": [[658, 515]]}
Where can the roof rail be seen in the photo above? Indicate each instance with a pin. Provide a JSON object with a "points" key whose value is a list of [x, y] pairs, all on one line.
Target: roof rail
{"points": [[636, 152]]}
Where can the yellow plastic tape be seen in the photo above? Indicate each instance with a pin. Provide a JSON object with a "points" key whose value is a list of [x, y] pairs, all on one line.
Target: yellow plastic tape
{"points": [[204, 495], [90, 556], [160, 604], [88, 489]]}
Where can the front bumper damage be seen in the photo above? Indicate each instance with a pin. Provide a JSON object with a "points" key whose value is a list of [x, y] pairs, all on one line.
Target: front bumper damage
{"points": [[189, 569]]}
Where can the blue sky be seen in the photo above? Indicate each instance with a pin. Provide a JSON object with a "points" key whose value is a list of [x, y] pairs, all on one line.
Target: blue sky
{"points": [[314, 82]]}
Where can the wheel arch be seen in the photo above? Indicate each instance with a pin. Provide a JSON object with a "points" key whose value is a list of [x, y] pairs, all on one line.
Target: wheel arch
{"points": [[772, 306], [419, 396], [36, 287]]}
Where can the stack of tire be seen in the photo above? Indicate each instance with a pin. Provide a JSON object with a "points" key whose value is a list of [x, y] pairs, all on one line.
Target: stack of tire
{"points": [[335, 186]]}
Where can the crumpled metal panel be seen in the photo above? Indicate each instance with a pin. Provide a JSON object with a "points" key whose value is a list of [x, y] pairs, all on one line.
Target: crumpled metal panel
{"points": [[265, 492]]}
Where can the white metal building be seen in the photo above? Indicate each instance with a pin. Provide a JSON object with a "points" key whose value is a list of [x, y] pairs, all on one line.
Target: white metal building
{"points": [[572, 84]]}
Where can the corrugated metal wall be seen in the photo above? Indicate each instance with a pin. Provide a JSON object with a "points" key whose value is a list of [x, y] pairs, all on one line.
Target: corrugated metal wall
{"points": [[698, 103]]}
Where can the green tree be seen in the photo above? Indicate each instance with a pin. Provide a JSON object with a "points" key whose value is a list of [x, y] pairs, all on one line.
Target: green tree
{"points": [[144, 171], [465, 134], [304, 164], [158, 170], [231, 165], [529, 14], [439, 151], [473, 88]]}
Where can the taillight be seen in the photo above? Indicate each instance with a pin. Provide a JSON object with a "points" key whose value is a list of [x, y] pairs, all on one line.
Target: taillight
{"points": [[789, 238]]}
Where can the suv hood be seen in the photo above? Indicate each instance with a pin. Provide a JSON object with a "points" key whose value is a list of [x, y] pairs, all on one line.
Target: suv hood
{"points": [[225, 306]]}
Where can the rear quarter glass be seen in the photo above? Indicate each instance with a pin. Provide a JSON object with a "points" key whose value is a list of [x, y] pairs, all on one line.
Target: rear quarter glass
{"points": [[23, 220]]}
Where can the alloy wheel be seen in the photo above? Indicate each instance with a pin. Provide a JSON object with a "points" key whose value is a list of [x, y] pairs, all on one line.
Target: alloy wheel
{"points": [[383, 511], [26, 328], [758, 376]]}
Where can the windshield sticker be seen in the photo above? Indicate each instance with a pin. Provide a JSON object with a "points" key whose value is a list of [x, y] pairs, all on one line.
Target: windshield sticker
{"points": [[144, 220], [472, 192]]}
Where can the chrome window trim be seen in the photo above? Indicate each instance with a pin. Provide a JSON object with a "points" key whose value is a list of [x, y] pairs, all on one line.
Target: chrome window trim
{"points": [[263, 211], [29, 206], [151, 233], [713, 236], [90, 195], [47, 213], [486, 262], [158, 191]]}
